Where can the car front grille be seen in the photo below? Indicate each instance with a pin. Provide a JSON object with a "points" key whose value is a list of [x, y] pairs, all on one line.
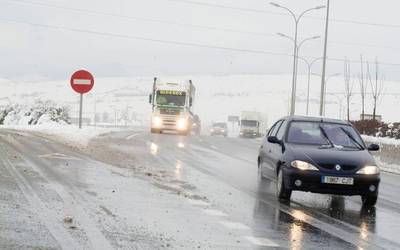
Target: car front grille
{"points": [[333, 167]]}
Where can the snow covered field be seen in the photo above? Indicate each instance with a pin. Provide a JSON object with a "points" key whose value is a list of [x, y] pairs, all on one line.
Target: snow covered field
{"points": [[217, 96]]}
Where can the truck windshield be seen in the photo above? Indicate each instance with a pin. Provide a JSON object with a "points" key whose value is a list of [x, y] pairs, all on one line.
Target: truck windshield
{"points": [[248, 123], [219, 125], [172, 98]]}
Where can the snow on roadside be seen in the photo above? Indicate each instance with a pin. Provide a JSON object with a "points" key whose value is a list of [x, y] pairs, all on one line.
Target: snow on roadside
{"points": [[387, 167], [69, 134], [383, 141]]}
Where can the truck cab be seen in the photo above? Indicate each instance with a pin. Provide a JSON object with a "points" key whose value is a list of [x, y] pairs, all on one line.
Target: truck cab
{"points": [[249, 128], [172, 106]]}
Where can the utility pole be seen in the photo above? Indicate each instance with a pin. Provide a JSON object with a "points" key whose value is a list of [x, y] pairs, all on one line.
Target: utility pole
{"points": [[322, 99]]}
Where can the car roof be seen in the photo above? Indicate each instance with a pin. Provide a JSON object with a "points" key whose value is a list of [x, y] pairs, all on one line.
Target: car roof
{"points": [[316, 119]]}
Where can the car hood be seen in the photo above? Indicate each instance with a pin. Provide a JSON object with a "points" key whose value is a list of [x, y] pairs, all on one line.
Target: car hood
{"points": [[326, 159]]}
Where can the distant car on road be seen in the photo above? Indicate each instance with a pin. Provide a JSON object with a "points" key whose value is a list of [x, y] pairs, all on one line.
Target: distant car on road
{"points": [[196, 126], [219, 128], [319, 155]]}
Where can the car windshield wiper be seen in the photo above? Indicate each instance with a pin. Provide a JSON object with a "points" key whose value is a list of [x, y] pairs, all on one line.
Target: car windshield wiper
{"points": [[359, 146], [330, 145]]}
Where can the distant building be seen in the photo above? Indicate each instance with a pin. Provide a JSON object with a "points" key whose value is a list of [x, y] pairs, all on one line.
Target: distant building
{"points": [[371, 117]]}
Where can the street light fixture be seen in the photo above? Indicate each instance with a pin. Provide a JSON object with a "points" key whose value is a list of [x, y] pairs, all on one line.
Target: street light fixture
{"points": [[294, 77]]}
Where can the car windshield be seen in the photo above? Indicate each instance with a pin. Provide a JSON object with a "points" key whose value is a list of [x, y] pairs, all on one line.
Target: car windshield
{"points": [[171, 99], [219, 125], [331, 134], [248, 123]]}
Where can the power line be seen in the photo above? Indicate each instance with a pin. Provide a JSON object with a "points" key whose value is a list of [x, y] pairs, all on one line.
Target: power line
{"points": [[187, 44], [138, 18], [108, 34], [184, 24], [281, 14]]}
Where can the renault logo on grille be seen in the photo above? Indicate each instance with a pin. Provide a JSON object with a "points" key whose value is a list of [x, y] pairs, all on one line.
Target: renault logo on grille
{"points": [[338, 167]]}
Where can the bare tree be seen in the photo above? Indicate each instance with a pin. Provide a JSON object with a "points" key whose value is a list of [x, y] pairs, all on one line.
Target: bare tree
{"points": [[363, 87], [376, 86], [348, 86]]}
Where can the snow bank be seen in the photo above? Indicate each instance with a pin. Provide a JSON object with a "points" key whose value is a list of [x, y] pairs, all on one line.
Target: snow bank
{"points": [[68, 134], [39, 112], [381, 140]]}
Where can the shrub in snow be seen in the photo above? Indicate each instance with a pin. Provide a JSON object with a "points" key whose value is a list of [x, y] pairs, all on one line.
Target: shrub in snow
{"points": [[40, 112]]}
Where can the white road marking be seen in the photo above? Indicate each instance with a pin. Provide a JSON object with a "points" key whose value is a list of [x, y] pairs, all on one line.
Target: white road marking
{"points": [[264, 242], [199, 203], [234, 225], [58, 156], [131, 136], [215, 213], [214, 147]]}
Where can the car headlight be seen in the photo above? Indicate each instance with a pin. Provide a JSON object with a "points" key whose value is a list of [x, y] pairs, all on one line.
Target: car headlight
{"points": [[157, 122], [181, 124], [369, 170], [302, 165]]}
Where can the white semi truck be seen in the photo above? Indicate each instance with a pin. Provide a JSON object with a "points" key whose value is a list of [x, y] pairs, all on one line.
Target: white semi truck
{"points": [[172, 106], [252, 124]]}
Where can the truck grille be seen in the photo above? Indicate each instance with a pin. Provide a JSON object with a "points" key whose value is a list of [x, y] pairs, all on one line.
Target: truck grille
{"points": [[169, 111]]}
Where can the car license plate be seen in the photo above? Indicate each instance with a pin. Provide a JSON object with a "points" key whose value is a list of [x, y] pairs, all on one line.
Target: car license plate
{"points": [[338, 180]]}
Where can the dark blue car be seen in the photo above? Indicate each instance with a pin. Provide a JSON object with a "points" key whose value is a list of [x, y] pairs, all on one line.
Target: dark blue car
{"points": [[319, 155]]}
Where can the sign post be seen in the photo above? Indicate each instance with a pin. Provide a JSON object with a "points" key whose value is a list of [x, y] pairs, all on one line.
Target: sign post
{"points": [[81, 82]]}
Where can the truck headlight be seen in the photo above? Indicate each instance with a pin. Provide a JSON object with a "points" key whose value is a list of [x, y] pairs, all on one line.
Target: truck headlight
{"points": [[156, 121], [302, 165], [181, 124], [369, 170]]}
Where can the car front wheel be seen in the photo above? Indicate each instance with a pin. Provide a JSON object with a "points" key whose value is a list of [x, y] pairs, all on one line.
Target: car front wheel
{"points": [[282, 192], [369, 200]]}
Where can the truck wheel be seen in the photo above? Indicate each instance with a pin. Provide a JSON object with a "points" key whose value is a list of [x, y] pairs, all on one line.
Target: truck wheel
{"points": [[369, 200], [281, 190]]}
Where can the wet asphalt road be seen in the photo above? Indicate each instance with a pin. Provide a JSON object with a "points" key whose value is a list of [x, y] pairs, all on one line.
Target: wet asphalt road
{"points": [[149, 191]]}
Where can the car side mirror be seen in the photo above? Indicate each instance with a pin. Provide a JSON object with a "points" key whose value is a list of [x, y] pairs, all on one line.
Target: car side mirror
{"points": [[274, 139], [150, 98], [373, 147]]}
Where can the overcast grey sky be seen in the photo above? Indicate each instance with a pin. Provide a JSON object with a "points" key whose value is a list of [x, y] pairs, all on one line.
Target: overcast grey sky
{"points": [[30, 50]]}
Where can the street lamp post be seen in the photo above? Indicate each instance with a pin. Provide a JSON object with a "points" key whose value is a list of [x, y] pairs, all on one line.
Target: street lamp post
{"points": [[294, 77], [309, 66]]}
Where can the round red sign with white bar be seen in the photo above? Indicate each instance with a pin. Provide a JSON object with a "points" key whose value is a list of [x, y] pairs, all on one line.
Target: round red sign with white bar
{"points": [[82, 81]]}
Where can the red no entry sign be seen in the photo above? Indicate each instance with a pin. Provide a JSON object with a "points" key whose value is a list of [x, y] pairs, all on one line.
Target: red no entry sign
{"points": [[82, 81]]}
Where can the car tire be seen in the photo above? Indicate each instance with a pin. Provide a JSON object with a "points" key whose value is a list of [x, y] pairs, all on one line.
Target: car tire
{"points": [[369, 200], [281, 191], [260, 176]]}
